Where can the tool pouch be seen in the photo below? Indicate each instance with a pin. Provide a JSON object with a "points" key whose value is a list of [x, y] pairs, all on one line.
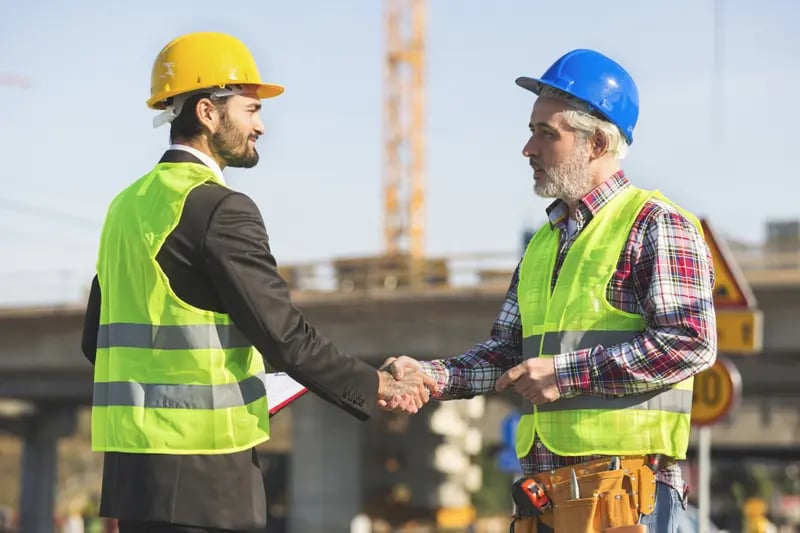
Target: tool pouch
{"points": [[615, 509], [577, 516], [592, 483], [627, 529], [610, 507], [647, 490]]}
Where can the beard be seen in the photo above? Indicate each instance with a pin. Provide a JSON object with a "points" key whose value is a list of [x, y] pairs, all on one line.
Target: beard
{"points": [[570, 180], [233, 146]]}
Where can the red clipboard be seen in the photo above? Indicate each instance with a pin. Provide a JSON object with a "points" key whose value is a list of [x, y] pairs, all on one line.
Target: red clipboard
{"points": [[281, 391]]}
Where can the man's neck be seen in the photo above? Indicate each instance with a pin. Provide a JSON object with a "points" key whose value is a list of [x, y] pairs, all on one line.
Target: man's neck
{"points": [[201, 145], [603, 170], [599, 175]]}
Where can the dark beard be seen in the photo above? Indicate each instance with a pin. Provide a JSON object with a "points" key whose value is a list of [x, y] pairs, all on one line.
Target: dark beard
{"points": [[232, 146]]}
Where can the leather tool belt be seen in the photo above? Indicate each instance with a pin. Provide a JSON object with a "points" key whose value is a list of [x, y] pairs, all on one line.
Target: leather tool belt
{"points": [[608, 500]]}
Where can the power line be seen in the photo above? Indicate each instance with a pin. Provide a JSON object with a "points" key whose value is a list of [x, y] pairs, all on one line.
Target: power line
{"points": [[27, 209]]}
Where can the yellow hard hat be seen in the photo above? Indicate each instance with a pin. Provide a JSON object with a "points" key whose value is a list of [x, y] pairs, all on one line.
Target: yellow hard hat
{"points": [[203, 60]]}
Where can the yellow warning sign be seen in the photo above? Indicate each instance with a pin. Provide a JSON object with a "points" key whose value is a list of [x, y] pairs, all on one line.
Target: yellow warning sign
{"points": [[730, 287], [739, 331], [716, 391]]}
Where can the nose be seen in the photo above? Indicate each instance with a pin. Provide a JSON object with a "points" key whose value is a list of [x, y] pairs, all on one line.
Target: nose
{"points": [[529, 149], [258, 126]]}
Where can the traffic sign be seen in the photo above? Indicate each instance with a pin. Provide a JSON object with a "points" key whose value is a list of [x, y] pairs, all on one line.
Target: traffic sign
{"points": [[507, 460], [508, 429], [507, 457], [739, 331], [716, 391], [730, 286]]}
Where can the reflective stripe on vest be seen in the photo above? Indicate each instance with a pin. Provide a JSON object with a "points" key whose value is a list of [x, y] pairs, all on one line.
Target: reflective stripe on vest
{"points": [[669, 400], [132, 394], [570, 341], [152, 337]]}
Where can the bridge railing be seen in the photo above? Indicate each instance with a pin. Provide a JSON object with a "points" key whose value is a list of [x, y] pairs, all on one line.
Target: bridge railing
{"points": [[490, 270], [398, 272]]}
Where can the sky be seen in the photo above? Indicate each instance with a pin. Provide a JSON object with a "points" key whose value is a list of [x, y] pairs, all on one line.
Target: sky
{"points": [[80, 131]]}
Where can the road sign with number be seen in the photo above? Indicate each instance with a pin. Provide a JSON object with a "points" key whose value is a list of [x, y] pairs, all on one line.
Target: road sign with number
{"points": [[716, 391]]}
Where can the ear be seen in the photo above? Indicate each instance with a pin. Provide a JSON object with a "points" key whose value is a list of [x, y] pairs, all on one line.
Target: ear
{"points": [[207, 114], [599, 143]]}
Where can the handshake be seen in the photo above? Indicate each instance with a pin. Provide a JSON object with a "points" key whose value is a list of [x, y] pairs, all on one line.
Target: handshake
{"points": [[403, 387]]}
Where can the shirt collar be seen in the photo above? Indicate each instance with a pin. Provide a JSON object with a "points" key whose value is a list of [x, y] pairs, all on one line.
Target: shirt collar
{"points": [[205, 158], [590, 204]]}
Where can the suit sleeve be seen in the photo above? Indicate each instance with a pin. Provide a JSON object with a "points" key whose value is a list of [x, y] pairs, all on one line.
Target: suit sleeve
{"points": [[91, 322], [245, 276]]}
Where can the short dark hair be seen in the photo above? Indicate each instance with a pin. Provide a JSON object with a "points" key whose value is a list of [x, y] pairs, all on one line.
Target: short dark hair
{"points": [[186, 125]]}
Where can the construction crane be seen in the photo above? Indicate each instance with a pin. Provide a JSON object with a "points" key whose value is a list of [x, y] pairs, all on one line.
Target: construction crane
{"points": [[404, 128]]}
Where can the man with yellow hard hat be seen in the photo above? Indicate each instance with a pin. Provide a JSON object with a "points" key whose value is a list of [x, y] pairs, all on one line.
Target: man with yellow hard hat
{"points": [[186, 306]]}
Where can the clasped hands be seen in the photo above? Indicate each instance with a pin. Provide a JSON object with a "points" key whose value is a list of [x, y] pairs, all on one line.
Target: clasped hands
{"points": [[406, 388], [403, 386]]}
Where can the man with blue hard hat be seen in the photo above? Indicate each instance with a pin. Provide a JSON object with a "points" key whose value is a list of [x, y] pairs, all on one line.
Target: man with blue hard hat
{"points": [[608, 317]]}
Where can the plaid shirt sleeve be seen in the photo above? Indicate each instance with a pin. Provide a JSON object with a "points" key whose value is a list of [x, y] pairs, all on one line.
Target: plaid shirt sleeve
{"points": [[673, 280], [477, 371]]}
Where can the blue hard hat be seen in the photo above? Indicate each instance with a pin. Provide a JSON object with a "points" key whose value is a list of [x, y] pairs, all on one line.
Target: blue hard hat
{"points": [[598, 81]]}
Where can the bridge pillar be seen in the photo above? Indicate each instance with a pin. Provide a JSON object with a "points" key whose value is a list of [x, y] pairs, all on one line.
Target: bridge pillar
{"points": [[40, 432], [325, 467]]}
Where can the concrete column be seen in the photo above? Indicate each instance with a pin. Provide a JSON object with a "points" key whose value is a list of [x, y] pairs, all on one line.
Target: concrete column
{"points": [[324, 468], [40, 432]]}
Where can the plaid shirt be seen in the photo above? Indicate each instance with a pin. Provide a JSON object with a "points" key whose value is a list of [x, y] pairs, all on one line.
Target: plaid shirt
{"points": [[664, 273]]}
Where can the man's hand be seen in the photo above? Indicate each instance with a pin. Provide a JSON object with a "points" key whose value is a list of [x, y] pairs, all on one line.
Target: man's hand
{"points": [[410, 385], [534, 379]]}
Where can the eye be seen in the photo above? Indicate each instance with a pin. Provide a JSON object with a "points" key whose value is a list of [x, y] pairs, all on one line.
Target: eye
{"points": [[541, 132]]}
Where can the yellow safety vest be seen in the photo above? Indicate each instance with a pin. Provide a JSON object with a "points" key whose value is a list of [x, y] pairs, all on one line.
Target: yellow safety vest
{"points": [[576, 315], [169, 377]]}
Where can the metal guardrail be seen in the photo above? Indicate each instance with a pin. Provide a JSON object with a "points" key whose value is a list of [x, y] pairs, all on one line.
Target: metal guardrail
{"points": [[750, 260], [479, 270], [390, 273]]}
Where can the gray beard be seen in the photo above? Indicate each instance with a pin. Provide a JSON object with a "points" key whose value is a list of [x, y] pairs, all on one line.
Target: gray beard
{"points": [[570, 181]]}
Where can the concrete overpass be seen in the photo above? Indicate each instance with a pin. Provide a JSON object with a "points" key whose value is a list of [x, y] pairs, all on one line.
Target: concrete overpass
{"points": [[41, 365]]}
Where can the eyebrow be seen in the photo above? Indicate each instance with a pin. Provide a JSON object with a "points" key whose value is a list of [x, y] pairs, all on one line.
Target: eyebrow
{"points": [[531, 125]]}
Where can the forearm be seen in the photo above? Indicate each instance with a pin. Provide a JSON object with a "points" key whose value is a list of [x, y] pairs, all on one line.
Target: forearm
{"points": [[244, 273], [476, 371], [469, 374]]}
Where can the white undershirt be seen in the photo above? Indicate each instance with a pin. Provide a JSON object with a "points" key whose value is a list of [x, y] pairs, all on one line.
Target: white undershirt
{"points": [[205, 158]]}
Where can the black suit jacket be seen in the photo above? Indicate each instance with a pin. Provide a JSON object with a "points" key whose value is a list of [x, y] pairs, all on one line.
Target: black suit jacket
{"points": [[218, 258]]}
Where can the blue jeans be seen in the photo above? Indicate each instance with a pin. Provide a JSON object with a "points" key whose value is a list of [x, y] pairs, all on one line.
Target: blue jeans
{"points": [[668, 511], [665, 516]]}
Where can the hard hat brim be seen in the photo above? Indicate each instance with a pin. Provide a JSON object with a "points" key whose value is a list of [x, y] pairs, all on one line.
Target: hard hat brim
{"points": [[534, 85], [268, 90], [263, 91]]}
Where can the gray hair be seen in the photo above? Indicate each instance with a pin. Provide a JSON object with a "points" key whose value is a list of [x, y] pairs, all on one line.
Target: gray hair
{"points": [[581, 118]]}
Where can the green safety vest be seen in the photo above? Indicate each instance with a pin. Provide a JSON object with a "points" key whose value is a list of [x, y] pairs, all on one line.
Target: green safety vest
{"points": [[576, 315], [168, 377]]}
